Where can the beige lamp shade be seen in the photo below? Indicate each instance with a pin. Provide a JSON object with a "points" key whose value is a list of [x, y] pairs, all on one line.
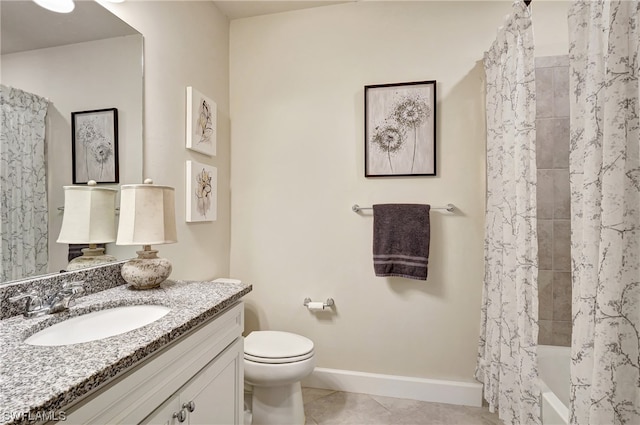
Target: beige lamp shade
{"points": [[89, 215], [147, 215]]}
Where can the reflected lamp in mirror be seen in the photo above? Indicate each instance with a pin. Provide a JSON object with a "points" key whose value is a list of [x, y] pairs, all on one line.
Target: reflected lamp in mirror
{"points": [[147, 217], [89, 218]]}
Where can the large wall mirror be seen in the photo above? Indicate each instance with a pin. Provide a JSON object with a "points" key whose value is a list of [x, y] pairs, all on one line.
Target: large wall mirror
{"points": [[86, 60]]}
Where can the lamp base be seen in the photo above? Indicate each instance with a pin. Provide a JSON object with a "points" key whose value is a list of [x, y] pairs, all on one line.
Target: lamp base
{"points": [[90, 257], [147, 271]]}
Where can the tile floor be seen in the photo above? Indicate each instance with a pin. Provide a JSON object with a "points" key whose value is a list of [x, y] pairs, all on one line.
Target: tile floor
{"points": [[337, 407]]}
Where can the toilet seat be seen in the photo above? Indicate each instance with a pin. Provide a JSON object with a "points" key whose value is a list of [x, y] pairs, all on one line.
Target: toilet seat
{"points": [[279, 360], [277, 347], [274, 365]]}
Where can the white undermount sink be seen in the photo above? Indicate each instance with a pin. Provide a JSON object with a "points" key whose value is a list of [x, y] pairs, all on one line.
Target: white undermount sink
{"points": [[98, 325]]}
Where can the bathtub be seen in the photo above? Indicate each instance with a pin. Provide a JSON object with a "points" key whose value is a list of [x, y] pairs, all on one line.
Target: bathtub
{"points": [[553, 368]]}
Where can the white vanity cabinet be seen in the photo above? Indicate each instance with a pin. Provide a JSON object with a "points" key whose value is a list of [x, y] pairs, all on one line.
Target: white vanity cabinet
{"points": [[202, 371], [208, 398]]}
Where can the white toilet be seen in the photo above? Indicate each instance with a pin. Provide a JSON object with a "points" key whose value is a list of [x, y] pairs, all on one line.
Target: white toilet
{"points": [[274, 364]]}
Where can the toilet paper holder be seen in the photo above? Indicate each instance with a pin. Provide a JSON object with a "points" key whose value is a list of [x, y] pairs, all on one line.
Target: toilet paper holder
{"points": [[328, 303]]}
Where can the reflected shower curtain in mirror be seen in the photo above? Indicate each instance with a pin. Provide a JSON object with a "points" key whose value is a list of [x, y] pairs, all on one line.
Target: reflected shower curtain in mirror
{"points": [[604, 61], [23, 184], [507, 360]]}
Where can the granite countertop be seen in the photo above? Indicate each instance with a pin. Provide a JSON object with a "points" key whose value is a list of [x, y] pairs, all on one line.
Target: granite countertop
{"points": [[37, 379]]}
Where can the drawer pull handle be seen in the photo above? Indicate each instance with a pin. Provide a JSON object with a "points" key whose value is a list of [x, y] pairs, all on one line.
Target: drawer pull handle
{"points": [[191, 406], [181, 415]]}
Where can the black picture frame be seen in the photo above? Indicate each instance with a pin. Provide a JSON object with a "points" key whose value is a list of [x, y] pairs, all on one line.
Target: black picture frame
{"points": [[94, 146], [400, 129]]}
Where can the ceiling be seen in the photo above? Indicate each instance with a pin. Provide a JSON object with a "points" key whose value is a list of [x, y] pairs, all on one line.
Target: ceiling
{"points": [[49, 29], [244, 9], [27, 26]]}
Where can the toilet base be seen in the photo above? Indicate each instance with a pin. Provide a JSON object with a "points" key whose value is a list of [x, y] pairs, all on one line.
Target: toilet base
{"points": [[279, 405]]}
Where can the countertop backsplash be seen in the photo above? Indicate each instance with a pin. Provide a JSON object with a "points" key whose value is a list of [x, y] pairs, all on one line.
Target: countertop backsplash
{"points": [[96, 279]]}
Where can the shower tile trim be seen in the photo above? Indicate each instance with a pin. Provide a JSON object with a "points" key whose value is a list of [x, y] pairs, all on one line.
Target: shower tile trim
{"points": [[552, 143]]}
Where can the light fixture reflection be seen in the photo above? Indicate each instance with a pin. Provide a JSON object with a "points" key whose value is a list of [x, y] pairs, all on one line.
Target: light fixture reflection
{"points": [[60, 6], [66, 6]]}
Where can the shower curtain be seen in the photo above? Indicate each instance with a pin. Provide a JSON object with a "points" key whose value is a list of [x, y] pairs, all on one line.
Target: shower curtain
{"points": [[507, 361], [23, 184], [604, 60]]}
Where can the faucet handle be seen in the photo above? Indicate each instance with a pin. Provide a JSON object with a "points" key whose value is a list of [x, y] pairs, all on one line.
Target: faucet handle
{"points": [[66, 297], [75, 287], [31, 296], [34, 303]]}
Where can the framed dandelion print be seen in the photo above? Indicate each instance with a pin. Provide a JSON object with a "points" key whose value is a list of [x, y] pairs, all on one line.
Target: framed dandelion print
{"points": [[201, 122], [400, 129], [94, 146], [202, 193]]}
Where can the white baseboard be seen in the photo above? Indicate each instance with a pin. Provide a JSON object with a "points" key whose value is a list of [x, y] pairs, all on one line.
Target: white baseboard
{"points": [[433, 390]]}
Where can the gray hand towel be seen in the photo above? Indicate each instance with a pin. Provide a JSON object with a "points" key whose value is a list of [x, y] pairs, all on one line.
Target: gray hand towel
{"points": [[401, 240]]}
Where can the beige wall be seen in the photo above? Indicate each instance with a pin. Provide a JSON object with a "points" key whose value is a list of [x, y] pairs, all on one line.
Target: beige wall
{"points": [[186, 44], [297, 105], [297, 167]]}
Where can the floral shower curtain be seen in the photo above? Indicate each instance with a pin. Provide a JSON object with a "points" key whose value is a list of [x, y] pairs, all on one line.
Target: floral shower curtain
{"points": [[507, 358], [604, 60], [23, 184]]}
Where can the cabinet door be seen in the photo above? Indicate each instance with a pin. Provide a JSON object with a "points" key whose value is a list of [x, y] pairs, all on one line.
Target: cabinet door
{"points": [[163, 415], [216, 393], [134, 396]]}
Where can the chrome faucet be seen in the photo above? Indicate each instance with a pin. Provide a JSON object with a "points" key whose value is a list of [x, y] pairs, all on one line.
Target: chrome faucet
{"points": [[62, 300], [53, 303]]}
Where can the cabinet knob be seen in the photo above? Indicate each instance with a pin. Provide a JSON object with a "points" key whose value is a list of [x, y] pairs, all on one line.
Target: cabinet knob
{"points": [[181, 415], [191, 406]]}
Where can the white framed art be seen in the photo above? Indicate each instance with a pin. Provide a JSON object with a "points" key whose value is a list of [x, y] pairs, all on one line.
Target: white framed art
{"points": [[201, 122], [202, 192], [400, 129]]}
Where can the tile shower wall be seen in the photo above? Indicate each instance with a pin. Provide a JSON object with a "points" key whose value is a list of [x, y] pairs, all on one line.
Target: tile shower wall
{"points": [[554, 215]]}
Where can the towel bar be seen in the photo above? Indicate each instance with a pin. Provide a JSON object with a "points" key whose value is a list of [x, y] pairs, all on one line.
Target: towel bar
{"points": [[449, 207]]}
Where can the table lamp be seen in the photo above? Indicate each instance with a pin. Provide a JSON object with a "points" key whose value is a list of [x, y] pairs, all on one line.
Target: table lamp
{"points": [[147, 217], [89, 218]]}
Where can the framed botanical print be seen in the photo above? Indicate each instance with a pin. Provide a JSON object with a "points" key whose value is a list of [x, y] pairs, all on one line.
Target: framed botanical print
{"points": [[94, 148], [201, 122], [202, 185], [400, 129]]}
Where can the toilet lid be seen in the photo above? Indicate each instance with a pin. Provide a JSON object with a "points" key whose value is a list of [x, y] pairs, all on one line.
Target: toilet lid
{"points": [[277, 347]]}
